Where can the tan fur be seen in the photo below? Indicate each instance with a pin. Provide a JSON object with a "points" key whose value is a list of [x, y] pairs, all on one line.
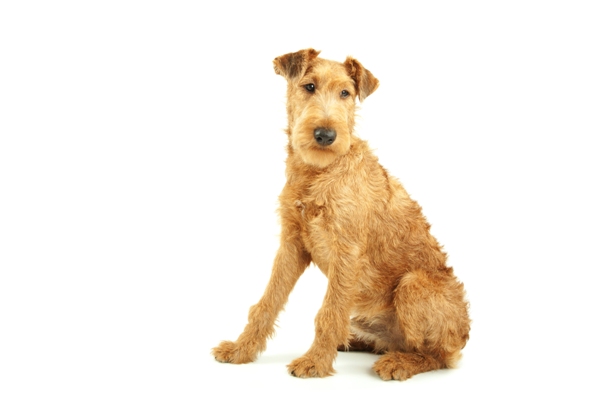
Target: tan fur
{"points": [[389, 288]]}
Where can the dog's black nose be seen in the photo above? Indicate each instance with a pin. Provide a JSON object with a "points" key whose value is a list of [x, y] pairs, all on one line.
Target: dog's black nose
{"points": [[324, 136]]}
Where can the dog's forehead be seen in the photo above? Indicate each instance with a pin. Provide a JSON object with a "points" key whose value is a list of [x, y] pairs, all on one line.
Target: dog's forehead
{"points": [[328, 72]]}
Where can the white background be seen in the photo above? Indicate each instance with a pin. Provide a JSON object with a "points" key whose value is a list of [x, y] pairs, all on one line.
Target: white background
{"points": [[142, 152]]}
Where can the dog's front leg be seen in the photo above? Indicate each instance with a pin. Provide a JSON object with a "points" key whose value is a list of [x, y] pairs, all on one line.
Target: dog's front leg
{"points": [[332, 321], [290, 262]]}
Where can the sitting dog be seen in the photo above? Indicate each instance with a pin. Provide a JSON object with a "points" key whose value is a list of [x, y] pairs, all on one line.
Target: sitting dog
{"points": [[389, 288]]}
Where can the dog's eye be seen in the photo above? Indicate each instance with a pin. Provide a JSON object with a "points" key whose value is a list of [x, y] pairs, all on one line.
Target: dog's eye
{"points": [[310, 87], [344, 94]]}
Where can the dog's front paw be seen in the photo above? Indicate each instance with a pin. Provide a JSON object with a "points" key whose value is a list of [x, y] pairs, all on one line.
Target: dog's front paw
{"points": [[392, 367], [230, 352], [306, 367]]}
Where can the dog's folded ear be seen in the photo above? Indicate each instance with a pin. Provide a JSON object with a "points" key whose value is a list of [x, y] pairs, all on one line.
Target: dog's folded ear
{"points": [[364, 80], [294, 65]]}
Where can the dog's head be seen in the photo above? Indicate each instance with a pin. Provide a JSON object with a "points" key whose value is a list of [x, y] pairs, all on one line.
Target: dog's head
{"points": [[321, 103]]}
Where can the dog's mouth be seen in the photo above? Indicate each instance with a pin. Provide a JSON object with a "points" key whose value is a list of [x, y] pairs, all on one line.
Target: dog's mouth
{"points": [[319, 144], [320, 154]]}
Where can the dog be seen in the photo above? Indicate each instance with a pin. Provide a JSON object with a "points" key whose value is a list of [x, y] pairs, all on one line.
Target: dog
{"points": [[389, 290]]}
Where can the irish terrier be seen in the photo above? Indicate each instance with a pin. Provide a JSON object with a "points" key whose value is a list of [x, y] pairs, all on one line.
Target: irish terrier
{"points": [[389, 288]]}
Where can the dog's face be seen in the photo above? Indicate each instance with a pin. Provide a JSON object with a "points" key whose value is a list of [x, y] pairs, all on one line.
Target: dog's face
{"points": [[321, 103]]}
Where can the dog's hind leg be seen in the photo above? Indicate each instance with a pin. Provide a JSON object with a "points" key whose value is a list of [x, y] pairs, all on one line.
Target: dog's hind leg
{"points": [[433, 317]]}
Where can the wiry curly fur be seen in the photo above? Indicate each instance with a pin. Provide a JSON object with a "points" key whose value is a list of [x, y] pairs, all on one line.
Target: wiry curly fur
{"points": [[389, 288]]}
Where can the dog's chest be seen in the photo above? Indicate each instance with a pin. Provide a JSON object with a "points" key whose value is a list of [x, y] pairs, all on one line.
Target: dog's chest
{"points": [[313, 220], [323, 220]]}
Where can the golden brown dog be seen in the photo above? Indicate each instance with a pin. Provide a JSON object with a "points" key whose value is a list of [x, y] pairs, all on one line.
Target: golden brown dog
{"points": [[389, 288]]}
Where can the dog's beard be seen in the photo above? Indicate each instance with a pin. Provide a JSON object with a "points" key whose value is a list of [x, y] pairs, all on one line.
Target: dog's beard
{"points": [[304, 144]]}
